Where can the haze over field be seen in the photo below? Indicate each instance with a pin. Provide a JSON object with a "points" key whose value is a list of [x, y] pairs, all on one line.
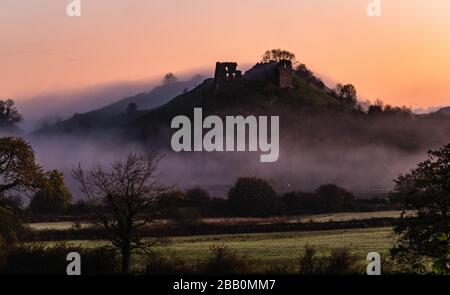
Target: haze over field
{"points": [[369, 169]]}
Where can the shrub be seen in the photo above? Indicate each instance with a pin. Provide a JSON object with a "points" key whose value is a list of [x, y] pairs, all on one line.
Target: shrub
{"points": [[187, 216], [226, 261], [28, 260], [11, 228], [310, 264], [340, 262], [282, 268], [197, 197], [159, 265]]}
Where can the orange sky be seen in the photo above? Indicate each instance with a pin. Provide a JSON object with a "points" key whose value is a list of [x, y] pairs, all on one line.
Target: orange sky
{"points": [[402, 57]]}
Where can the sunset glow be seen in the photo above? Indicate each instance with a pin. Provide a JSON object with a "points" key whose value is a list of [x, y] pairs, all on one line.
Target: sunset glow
{"points": [[401, 57]]}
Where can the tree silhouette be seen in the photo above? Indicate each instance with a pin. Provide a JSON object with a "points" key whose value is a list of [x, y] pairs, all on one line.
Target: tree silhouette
{"points": [[19, 170], [132, 108], [253, 197], [54, 198], [278, 55], [169, 78], [126, 193], [346, 93], [426, 191], [8, 114]]}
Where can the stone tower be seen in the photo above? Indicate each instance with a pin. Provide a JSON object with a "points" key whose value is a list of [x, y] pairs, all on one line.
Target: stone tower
{"points": [[284, 74], [226, 72]]}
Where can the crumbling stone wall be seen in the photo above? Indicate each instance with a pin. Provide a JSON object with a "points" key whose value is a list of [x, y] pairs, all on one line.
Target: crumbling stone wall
{"points": [[226, 72]]}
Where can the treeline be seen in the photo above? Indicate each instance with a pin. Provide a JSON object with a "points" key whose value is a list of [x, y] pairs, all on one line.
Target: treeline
{"points": [[249, 197], [254, 197]]}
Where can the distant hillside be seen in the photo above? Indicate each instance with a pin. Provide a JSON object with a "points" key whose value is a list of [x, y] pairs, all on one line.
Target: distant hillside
{"points": [[445, 111], [114, 115], [155, 98]]}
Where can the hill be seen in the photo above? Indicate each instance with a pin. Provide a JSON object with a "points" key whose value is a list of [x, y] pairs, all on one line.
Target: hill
{"points": [[242, 97], [114, 115], [444, 111], [155, 98], [311, 116]]}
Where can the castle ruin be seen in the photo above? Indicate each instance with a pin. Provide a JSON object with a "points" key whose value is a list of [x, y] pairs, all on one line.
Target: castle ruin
{"points": [[278, 73], [226, 72]]}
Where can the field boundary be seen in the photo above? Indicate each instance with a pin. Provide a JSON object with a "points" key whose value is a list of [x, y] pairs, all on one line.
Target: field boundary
{"points": [[171, 230]]}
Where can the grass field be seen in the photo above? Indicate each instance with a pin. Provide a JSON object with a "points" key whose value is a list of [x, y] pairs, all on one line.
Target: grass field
{"points": [[272, 248], [280, 249], [284, 246]]}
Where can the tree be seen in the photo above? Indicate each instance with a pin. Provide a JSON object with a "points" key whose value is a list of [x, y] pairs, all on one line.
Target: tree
{"points": [[10, 228], [197, 197], [426, 191], [19, 171], [278, 55], [253, 197], [169, 78], [334, 198], [306, 74], [346, 93], [376, 108], [132, 108], [126, 192], [9, 115], [54, 198]]}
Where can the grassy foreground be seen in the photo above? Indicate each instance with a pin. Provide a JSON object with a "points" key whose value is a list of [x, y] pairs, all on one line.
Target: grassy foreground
{"points": [[271, 248]]}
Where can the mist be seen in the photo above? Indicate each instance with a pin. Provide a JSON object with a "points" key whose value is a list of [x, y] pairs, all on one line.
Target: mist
{"points": [[48, 108], [300, 167], [359, 153]]}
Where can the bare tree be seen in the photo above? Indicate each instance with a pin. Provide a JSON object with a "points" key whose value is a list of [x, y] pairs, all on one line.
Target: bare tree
{"points": [[125, 194]]}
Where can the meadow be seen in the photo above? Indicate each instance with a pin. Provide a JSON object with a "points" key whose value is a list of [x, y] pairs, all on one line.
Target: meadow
{"points": [[268, 249]]}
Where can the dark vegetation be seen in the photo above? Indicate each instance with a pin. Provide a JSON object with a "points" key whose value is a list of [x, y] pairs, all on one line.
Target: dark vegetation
{"points": [[37, 259], [222, 260], [424, 239], [124, 195], [9, 116], [249, 197]]}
